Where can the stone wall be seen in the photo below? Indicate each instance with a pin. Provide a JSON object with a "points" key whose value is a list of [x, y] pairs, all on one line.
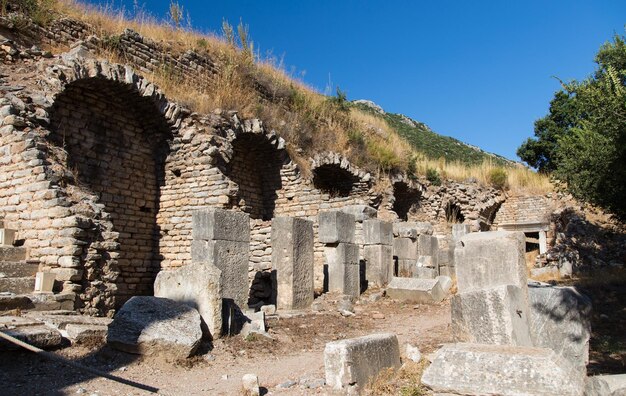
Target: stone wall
{"points": [[525, 209]]}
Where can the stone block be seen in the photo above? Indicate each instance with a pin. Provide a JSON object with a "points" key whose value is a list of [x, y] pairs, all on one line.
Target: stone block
{"points": [[475, 369], [604, 385], [360, 212], [445, 282], [250, 385], [488, 259], [460, 230], [198, 286], [336, 227], [428, 245], [406, 269], [292, 258], [420, 291], [44, 282], [426, 262], [560, 320], [212, 224], [343, 268], [86, 334], [412, 229], [156, 326], [377, 232], [7, 237], [231, 258], [405, 248], [356, 361], [40, 336], [447, 271], [497, 315], [425, 273], [378, 264]]}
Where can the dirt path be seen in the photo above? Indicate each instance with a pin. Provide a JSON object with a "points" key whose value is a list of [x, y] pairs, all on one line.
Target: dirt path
{"points": [[294, 355]]}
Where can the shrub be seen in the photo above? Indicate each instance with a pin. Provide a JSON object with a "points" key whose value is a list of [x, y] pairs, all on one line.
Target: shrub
{"points": [[433, 176], [498, 178]]}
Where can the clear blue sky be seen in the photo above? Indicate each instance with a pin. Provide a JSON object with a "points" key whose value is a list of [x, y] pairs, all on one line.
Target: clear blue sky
{"points": [[480, 71]]}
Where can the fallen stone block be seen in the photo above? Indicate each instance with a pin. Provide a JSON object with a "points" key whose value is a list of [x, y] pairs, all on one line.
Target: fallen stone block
{"points": [[487, 259], [560, 320], [413, 353], [156, 326], [292, 258], [36, 334], [378, 264], [86, 334], [420, 291], [336, 227], [476, 369], [606, 385], [232, 259], [212, 224], [355, 361], [498, 315], [377, 232], [405, 248], [198, 286]]}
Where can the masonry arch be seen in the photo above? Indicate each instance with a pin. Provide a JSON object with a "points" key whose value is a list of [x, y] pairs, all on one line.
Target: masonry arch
{"points": [[336, 176], [115, 128], [404, 198]]}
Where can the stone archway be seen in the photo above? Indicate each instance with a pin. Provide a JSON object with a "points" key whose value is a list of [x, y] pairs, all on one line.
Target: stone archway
{"points": [[405, 197], [337, 177]]}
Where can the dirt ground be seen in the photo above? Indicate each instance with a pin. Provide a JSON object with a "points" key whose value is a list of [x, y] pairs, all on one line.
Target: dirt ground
{"points": [[293, 357]]}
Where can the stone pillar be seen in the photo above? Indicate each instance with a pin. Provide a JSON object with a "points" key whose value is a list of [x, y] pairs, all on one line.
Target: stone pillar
{"points": [[336, 230], [292, 258], [427, 257], [543, 243], [378, 252], [222, 238]]}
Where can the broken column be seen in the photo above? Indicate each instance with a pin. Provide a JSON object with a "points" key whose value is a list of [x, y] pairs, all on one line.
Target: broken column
{"points": [[378, 252], [354, 362], [492, 304], [292, 258], [336, 231], [222, 238]]}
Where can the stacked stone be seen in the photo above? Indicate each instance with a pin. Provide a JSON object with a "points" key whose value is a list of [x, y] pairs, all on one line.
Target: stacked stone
{"points": [[446, 254], [406, 247], [342, 254], [378, 252], [427, 257], [222, 238], [292, 257]]}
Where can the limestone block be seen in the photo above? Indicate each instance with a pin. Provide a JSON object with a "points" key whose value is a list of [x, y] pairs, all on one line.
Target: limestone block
{"points": [[40, 336], [560, 320], [498, 315], [44, 282], [343, 268], [231, 258], [460, 230], [488, 259], [250, 385], [445, 282], [377, 232], [428, 245], [406, 269], [292, 258], [378, 264], [412, 229], [420, 291], [447, 271], [603, 385], [156, 326], [7, 237], [425, 262], [336, 227], [355, 361], [405, 248], [360, 212], [67, 274], [475, 369], [212, 224], [197, 285], [86, 334], [425, 273]]}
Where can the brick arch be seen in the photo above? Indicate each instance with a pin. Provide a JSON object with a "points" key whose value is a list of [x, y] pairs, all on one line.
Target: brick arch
{"points": [[406, 195], [115, 128], [335, 175]]}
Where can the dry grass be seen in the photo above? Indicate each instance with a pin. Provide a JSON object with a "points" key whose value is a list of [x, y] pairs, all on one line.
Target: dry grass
{"points": [[309, 121], [405, 381]]}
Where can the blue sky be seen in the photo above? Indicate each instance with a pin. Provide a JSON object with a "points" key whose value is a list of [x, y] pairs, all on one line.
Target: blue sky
{"points": [[480, 71]]}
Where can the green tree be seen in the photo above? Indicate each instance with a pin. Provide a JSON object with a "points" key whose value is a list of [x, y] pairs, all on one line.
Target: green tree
{"points": [[582, 141]]}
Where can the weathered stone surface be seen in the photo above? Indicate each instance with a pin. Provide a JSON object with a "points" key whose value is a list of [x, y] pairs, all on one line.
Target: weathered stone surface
{"points": [[606, 385], [40, 336], [250, 385], [445, 282], [231, 258], [406, 268], [460, 230], [153, 326], [428, 245], [560, 320], [212, 224], [198, 286], [355, 361], [412, 229], [378, 264], [336, 227], [475, 369], [498, 315], [422, 291], [377, 232], [343, 268], [86, 334], [488, 259], [360, 212], [405, 248], [426, 262], [292, 257], [425, 273]]}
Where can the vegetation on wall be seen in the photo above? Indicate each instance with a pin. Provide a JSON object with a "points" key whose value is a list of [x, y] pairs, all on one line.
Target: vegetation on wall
{"points": [[582, 140]]}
